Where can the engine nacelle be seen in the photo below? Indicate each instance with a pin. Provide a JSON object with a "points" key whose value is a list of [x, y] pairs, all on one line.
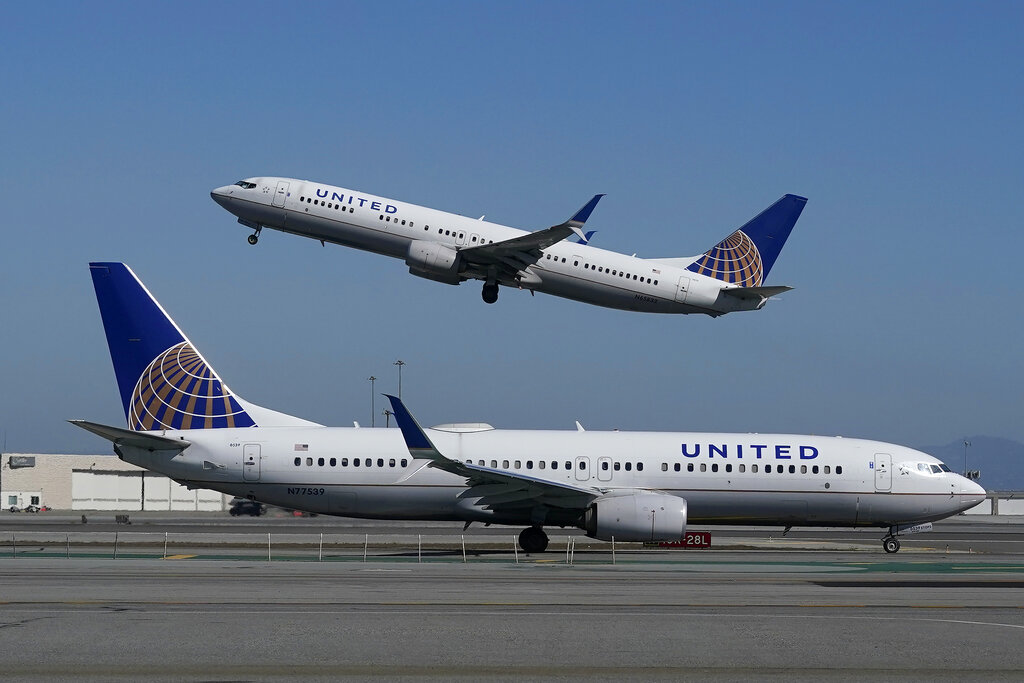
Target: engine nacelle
{"points": [[636, 517], [433, 261]]}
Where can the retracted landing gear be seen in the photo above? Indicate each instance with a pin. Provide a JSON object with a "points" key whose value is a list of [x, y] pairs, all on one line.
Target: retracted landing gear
{"points": [[255, 237], [490, 295], [533, 540]]}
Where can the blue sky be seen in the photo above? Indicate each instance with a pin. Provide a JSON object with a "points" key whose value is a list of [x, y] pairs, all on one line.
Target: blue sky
{"points": [[901, 124]]}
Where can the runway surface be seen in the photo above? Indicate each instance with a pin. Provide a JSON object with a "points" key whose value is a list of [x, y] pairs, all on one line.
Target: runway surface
{"points": [[803, 610]]}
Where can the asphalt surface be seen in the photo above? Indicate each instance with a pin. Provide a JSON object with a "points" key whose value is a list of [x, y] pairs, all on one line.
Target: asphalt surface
{"points": [[817, 604]]}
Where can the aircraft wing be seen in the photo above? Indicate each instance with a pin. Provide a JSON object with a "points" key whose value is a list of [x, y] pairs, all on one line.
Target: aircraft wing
{"points": [[495, 488], [519, 252]]}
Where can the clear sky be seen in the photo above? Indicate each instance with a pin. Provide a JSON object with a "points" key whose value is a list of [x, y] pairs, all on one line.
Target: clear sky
{"points": [[901, 122]]}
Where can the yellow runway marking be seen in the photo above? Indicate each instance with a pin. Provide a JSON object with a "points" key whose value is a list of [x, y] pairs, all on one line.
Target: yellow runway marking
{"points": [[179, 557]]}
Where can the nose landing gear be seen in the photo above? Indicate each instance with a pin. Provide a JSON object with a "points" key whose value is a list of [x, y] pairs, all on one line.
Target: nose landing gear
{"points": [[891, 544], [255, 237]]}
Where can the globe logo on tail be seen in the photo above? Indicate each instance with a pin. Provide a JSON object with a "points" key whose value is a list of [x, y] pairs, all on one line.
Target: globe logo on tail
{"points": [[735, 260], [179, 390]]}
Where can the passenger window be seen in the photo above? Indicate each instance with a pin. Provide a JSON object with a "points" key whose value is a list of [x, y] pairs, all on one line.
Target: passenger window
{"points": [[743, 468], [583, 465], [639, 467], [676, 467], [689, 467], [703, 467], [380, 462], [529, 464], [568, 465], [320, 462], [768, 469], [839, 469], [355, 462], [504, 464], [298, 461], [519, 464], [540, 464], [617, 466], [494, 464], [828, 470], [344, 462], [792, 469], [604, 465], [753, 468], [714, 467], [391, 462], [664, 467], [629, 466], [309, 462], [728, 468], [803, 469], [814, 469], [369, 462]]}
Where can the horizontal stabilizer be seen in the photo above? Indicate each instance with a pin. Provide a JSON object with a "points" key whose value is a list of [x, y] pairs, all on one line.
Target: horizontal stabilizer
{"points": [[755, 292], [127, 437]]}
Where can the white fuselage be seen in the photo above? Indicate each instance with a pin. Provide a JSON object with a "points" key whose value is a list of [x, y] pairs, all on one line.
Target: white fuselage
{"points": [[725, 478], [387, 226]]}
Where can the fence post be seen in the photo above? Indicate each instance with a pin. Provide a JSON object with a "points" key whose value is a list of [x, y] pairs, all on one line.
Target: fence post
{"points": [[366, 542], [613, 550], [14, 544], [268, 547], [419, 547], [165, 545], [67, 537], [115, 545], [515, 549], [463, 548], [321, 558]]}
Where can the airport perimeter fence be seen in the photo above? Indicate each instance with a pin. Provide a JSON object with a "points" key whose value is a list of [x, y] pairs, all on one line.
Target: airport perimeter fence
{"points": [[308, 547]]}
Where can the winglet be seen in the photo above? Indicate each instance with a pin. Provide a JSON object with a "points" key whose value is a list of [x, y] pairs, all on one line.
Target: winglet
{"points": [[416, 440], [581, 216]]}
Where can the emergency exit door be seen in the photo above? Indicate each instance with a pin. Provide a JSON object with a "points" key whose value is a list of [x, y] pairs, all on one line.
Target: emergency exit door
{"points": [[251, 462]]}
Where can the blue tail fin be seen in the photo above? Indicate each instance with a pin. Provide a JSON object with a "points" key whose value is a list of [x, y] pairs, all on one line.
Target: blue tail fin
{"points": [[745, 257], [164, 382]]}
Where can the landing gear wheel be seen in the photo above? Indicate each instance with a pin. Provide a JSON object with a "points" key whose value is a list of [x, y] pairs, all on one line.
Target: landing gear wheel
{"points": [[490, 293], [890, 544], [253, 239], [533, 540]]}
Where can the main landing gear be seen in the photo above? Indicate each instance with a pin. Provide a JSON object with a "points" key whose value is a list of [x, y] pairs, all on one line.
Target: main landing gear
{"points": [[255, 237], [533, 540], [490, 295]]}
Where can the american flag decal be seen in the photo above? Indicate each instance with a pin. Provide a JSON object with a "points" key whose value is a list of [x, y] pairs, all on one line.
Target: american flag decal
{"points": [[302, 446]]}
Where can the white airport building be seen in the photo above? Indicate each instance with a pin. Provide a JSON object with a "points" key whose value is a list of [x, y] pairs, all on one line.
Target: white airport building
{"points": [[95, 482]]}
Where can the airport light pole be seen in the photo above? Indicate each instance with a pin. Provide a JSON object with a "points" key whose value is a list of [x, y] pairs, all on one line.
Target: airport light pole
{"points": [[387, 417], [966, 444], [373, 407], [399, 363]]}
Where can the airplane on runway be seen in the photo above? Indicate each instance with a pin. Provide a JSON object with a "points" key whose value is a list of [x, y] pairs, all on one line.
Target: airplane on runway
{"points": [[185, 423], [450, 248]]}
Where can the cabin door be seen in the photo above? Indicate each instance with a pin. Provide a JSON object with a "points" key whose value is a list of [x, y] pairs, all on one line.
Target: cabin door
{"points": [[582, 468], [883, 472], [251, 462], [281, 194], [682, 289]]}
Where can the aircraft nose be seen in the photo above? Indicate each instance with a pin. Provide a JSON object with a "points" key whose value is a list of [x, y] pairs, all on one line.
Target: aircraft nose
{"points": [[971, 493], [222, 195]]}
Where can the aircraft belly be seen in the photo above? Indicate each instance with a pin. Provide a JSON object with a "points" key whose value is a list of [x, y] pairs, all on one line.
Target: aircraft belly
{"points": [[609, 296], [770, 507], [347, 234]]}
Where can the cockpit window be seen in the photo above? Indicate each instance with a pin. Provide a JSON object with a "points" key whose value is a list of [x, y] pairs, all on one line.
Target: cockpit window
{"points": [[246, 185], [936, 469], [945, 469]]}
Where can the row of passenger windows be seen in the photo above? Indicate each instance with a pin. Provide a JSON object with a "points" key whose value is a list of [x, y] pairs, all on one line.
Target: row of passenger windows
{"points": [[356, 462], [602, 269], [780, 469], [329, 205]]}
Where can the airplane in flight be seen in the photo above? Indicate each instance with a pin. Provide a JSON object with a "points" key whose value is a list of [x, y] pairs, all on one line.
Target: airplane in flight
{"points": [[185, 423], [450, 248]]}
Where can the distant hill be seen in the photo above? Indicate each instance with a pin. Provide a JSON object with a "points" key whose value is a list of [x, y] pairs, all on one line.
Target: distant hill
{"points": [[1001, 461]]}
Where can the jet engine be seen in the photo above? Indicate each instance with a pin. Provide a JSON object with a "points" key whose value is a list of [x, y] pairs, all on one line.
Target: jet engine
{"points": [[641, 516], [433, 261]]}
